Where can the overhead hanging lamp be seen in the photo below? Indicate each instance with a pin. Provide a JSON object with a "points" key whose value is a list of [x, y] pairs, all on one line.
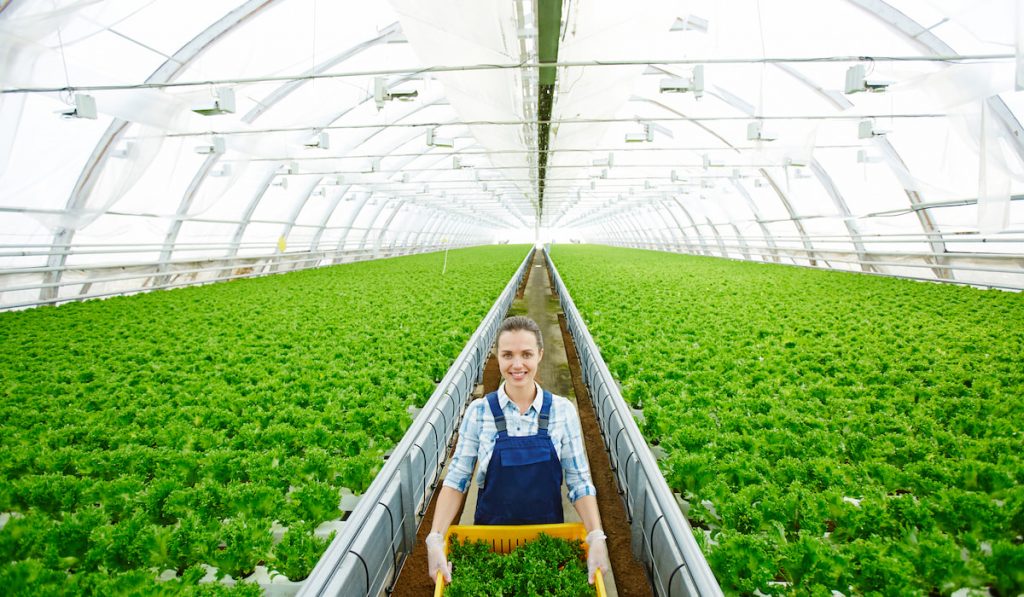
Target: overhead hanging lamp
{"points": [[84, 106], [221, 101]]}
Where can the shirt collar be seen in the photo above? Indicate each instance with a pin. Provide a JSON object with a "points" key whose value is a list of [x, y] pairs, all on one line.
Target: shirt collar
{"points": [[504, 400]]}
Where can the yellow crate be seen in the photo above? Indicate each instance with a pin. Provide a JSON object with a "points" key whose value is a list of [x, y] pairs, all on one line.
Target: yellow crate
{"points": [[504, 539]]}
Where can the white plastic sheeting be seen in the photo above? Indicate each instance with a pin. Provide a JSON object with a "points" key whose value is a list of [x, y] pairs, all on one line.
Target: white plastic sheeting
{"points": [[325, 156]]}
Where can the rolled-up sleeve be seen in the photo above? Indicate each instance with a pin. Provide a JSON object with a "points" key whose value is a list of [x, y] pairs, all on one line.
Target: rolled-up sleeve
{"points": [[574, 457], [460, 469]]}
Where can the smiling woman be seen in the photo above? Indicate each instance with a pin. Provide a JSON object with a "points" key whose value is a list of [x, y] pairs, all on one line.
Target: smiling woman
{"points": [[524, 439]]}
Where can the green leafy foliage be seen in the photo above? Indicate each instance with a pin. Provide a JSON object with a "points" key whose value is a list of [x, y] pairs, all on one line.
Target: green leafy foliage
{"points": [[830, 431], [168, 430], [298, 551], [543, 566]]}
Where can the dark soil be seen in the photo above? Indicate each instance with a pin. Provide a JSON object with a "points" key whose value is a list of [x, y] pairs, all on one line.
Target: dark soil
{"points": [[526, 278], [630, 577], [413, 580]]}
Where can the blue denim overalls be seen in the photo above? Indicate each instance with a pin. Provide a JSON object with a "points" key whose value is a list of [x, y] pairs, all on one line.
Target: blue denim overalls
{"points": [[524, 479]]}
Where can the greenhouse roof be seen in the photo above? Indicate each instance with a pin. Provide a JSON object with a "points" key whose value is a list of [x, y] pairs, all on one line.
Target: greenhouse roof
{"points": [[145, 145]]}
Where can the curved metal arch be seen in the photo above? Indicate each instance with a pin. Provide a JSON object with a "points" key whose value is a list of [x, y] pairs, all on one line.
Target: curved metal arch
{"points": [[612, 230], [610, 234], [679, 226], [386, 35], [618, 233], [716, 233], [851, 225], [792, 216], [924, 218], [437, 231], [428, 226], [262, 189], [347, 228], [384, 228], [314, 243], [261, 108], [168, 71], [676, 243], [768, 236], [447, 230], [693, 224], [307, 192], [632, 225], [664, 231], [913, 32], [179, 216], [744, 248]]}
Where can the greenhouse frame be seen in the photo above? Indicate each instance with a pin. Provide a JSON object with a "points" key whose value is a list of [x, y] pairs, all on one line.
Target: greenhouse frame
{"points": [[148, 150]]}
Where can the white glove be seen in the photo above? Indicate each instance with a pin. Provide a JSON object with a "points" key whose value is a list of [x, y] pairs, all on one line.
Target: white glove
{"points": [[597, 556], [436, 560]]}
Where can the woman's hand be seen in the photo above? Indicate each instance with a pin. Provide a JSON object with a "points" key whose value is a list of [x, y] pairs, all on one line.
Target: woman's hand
{"points": [[436, 560], [597, 556]]}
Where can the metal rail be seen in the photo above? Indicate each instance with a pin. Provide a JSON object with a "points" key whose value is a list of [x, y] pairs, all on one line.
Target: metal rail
{"points": [[265, 264], [662, 538], [381, 532], [825, 255]]}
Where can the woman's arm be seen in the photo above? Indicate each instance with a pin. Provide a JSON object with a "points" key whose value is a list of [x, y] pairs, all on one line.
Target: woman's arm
{"points": [[448, 503], [586, 507]]}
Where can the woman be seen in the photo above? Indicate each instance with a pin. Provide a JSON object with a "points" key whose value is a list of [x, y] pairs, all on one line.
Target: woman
{"points": [[523, 438]]}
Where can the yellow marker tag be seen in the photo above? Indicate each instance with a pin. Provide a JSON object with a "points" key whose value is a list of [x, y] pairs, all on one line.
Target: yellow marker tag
{"points": [[281, 244]]}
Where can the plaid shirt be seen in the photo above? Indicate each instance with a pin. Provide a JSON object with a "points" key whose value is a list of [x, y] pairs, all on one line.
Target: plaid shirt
{"points": [[478, 432]]}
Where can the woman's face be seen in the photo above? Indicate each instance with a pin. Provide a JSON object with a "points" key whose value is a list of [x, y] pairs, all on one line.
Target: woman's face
{"points": [[518, 357]]}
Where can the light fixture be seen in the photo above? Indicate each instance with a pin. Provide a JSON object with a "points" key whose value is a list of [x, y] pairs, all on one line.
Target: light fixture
{"points": [[434, 141], [321, 141], [694, 84], [280, 182], [289, 168], [221, 101], [756, 132], [646, 136], [381, 93], [857, 81], [216, 146], [866, 129], [223, 172], [84, 107], [608, 161]]}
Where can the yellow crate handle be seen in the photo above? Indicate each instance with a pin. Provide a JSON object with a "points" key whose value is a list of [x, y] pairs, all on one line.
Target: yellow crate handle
{"points": [[439, 584], [599, 583]]}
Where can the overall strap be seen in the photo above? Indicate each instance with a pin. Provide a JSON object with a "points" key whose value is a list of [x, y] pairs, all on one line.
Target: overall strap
{"points": [[499, 417], [545, 414]]}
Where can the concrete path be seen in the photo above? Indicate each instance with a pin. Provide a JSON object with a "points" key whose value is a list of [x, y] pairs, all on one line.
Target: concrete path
{"points": [[539, 304]]}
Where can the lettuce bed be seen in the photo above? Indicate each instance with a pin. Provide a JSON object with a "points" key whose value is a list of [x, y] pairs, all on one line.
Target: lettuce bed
{"points": [[828, 430], [544, 566], [168, 430]]}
